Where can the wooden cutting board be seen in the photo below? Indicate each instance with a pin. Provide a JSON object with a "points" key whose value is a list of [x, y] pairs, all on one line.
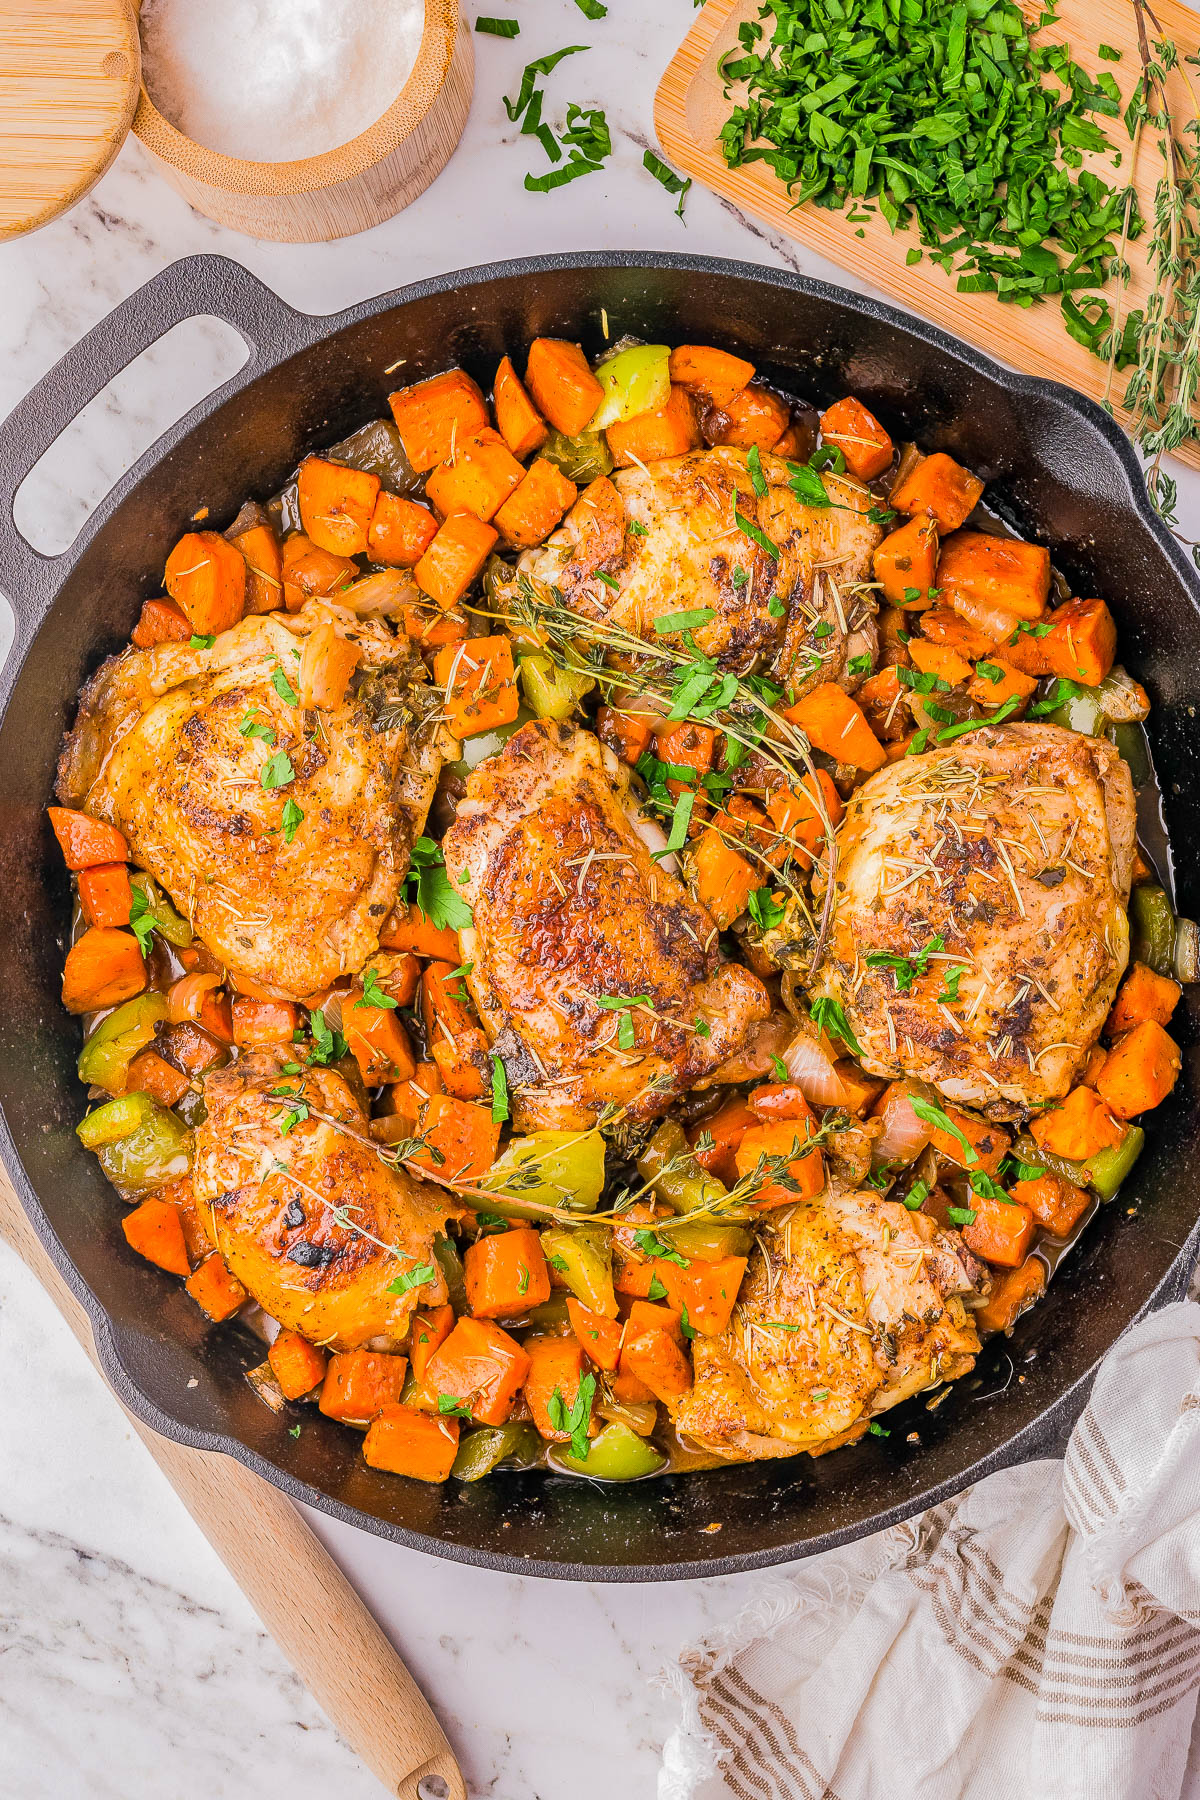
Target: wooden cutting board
{"points": [[690, 109]]}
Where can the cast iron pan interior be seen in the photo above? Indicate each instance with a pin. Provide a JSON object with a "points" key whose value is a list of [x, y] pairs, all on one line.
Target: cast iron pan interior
{"points": [[1056, 467]]}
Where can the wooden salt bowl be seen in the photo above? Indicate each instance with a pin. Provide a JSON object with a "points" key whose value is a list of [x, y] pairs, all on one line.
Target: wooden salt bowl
{"points": [[362, 182]]}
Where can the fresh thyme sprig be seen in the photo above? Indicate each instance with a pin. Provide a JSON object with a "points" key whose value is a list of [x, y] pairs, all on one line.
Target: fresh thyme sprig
{"points": [[741, 706]]}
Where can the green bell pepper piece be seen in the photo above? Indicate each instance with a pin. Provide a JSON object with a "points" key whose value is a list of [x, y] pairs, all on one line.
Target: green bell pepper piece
{"points": [[115, 1120], [1152, 919], [637, 380], [1133, 747], [105, 1058], [140, 1148], [674, 1174], [448, 1260], [1104, 1172], [616, 1454], [477, 749], [1083, 712], [552, 693], [159, 911], [479, 1452], [552, 1314], [582, 1254], [709, 1242], [581, 459], [548, 1168]]}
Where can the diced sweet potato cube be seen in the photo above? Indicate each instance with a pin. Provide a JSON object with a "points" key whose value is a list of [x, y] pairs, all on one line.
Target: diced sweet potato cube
{"points": [[215, 1291], [400, 531], [431, 416], [403, 1440], [297, 1365]]}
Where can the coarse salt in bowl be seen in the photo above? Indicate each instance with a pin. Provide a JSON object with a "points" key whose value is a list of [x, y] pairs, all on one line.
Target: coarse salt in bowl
{"points": [[303, 120], [277, 80]]}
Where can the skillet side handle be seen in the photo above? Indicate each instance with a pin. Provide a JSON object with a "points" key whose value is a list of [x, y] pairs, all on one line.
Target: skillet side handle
{"points": [[191, 288]]}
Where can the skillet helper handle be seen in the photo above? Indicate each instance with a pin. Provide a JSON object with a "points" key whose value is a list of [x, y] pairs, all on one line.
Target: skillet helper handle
{"points": [[194, 287], [291, 1581]]}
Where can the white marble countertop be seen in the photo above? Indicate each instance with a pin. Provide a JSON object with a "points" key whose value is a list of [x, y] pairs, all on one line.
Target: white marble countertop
{"points": [[132, 1667]]}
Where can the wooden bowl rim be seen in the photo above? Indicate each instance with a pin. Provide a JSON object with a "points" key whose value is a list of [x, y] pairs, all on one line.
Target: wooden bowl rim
{"points": [[306, 174]]}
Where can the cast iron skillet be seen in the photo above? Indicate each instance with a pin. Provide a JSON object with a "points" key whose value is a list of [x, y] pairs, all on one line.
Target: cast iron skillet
{"points": [[1056, 467]]}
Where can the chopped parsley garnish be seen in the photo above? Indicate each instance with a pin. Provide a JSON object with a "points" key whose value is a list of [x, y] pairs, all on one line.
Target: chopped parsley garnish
{"points": [[1059, 692], [754, 465], [292, 820], [449, 1405], [141, 919], [329, 1046], [250, 725], [624, 1005], [877, 1430], [990, 671], [202, 640], [666, 177], [428, 887], [952, 121], [412, 1278], [651, 1244], [283, 686], [501, 28], [961, 1215], [951, 979], [277, 771], [829, 1016], [905, 969], [373, 994], [680, 820], [765, 909], [964, 725], [756, 534], [684, 621], [922, 681], [929, 1114], [859, 665], [499, 1091], [988, 1189], [575, 1421], [917, 1195], [610, 581]]}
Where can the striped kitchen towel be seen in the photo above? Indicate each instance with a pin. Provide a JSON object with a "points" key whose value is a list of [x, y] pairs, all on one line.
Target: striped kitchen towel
{"points": [[1037, 1638]]}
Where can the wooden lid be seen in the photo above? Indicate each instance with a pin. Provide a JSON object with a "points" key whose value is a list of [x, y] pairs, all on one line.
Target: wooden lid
{"points": [[69, 76]]}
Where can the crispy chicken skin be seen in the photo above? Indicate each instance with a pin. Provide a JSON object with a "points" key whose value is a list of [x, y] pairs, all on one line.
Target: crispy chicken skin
{"points": [[266, 1198], [569, 909], [1015, 846], [159, 750], [694, 554], [850, 1304]]}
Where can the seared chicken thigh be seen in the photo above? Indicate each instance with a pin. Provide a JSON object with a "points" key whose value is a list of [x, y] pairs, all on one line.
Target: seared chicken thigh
{"points": [[282, 833], [691, 554], [1002, 863], [596, 975], [267, 1196], [850, 1304]]}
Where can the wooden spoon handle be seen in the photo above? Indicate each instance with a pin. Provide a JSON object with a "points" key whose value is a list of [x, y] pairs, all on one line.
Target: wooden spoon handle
{"points": [[291, 1581]]}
